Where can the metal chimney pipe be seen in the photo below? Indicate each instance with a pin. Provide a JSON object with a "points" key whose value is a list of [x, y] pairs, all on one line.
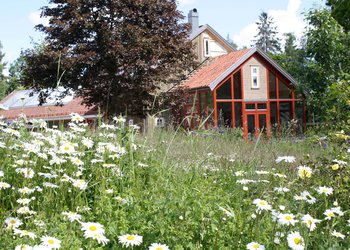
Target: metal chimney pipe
{"points": [[193, 20]]}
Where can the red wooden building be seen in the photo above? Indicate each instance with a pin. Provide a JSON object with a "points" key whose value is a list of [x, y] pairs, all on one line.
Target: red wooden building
{"points": [[244, 89]]}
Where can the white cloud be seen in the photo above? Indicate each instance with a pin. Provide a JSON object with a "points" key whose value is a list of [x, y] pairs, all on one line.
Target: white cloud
{"points": [[35, 18], [285, 20]]}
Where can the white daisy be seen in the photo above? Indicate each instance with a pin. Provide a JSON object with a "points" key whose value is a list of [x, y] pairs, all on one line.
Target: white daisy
{"points": [[286, 219], [158, 246], [23, 233], [12, 222], [262, 204], [50, 242], [81, 184], [26, 190], [325, 190], [338, 235], [289, 159], [99, 237], [23, 247], [304, 172], [72, 216], [310, 222], [4, 185], [75, 117], [295, 241], [91, 228], [67, 148], [329, 213], [255, 246], [130, 240]]}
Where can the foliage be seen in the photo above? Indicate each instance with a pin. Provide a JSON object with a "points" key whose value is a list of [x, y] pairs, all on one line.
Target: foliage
{"points": [[293, 58], [187, 192], [3, 83], [328, 51], [321, 65], [340, 10], [231, 42], [15, 74], [115, 54], [266, 39]]}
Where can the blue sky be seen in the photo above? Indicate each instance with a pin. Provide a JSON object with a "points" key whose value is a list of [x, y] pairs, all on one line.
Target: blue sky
{"points": [[234, 17]]}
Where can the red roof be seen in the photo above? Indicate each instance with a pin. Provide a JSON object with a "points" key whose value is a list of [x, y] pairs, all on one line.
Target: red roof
{"points": [[205, 75], [50, 112]]}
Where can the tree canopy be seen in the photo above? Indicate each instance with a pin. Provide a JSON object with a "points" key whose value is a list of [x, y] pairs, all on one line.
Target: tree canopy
{"points": [[115, 54], [340, 10], [266, 39]]}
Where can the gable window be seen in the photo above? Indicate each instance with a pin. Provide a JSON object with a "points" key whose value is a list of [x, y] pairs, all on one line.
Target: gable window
{"points": [[255, 77], [206, 47]]}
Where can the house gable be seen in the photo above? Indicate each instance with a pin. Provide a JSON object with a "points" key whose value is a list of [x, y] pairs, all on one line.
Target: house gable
{"points": [[208, 43], [250, 93]]}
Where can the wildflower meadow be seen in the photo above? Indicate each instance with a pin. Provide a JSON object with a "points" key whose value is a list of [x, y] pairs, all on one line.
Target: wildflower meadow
{"points": [[112, 187]]}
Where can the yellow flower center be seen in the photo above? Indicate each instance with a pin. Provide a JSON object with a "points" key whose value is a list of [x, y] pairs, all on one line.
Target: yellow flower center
{"points": [[66, 148], [262, 203], [159, 248], [51, 241], [256, 246], [288, 217], [309, 222], [12, 221], [130, 237], [335, 167], [297, 241], [330, 214], [92, 228]]}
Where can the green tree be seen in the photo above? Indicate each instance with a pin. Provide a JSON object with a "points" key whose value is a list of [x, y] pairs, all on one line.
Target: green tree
{"points": [[116, 54], [231, 42], [327, 47], [15, 74], [293, 57], [3, 80], [340, 10], [266, 39]]}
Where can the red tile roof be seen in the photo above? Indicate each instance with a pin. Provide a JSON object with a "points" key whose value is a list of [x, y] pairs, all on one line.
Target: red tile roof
{"points": [[205, 75], [50, 112]]}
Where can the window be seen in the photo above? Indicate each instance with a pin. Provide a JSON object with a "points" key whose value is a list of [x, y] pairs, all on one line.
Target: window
{"points": [[224, 91], [255, 77], [206, 47]]}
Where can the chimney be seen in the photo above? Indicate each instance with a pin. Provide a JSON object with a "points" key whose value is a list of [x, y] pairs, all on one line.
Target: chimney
{"points": [[193, 20]]}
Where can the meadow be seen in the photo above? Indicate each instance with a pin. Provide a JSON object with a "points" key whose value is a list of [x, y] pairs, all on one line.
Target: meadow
{"points": [[114, 188]]}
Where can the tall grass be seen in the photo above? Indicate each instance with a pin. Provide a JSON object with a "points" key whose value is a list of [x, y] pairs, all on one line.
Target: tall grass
{"points": [[186, 191]]}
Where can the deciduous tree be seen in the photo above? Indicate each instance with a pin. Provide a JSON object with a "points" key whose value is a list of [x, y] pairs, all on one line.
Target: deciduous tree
{"points": [[340, 10], [3, 83], [115, 54]]}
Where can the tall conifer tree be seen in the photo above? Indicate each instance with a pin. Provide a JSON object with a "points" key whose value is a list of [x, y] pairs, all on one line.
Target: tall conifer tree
{"points": [[266, 39]]}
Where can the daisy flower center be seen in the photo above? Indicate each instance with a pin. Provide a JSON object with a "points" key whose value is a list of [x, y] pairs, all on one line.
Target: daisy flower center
{"points": [[288, 217], [130, 237], [92, 228], [262, 203], [12, 221], [256, 246], [51, 242], [66, 148], [159, 248], [297, 241]]}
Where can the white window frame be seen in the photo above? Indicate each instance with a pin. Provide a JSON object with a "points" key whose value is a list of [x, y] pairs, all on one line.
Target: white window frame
{"points": [[206, 46], [254, 75]]}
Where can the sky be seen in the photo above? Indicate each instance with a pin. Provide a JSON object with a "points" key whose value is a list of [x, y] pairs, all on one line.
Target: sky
{"points": [[235, 18]]}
